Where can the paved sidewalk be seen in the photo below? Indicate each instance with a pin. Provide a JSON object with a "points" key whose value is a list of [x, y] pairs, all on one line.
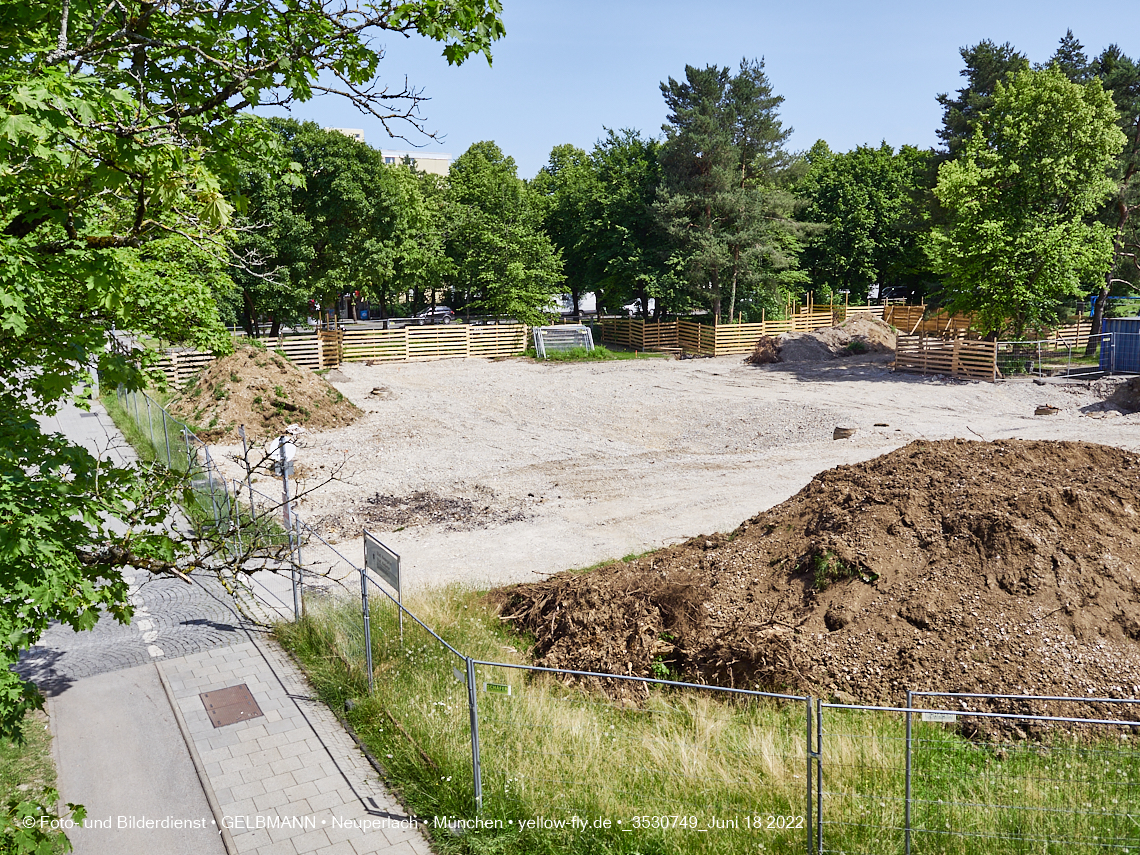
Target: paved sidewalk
{"points": [[132, 737], [293, 766]]}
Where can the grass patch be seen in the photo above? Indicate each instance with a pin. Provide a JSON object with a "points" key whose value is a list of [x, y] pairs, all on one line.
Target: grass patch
{"points": [[684, 771], [27, 786], [548, 749], [155, 442], [600, 353]]}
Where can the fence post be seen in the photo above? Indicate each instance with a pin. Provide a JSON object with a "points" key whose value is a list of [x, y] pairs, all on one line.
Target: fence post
{"points": [[150, 423], [213, 497], [819, 776], [289, 528], [300, 561], [166, 437], [907, 795], [811, 754], [473, 706], [367, 628], [248, 479], [236, 526]]}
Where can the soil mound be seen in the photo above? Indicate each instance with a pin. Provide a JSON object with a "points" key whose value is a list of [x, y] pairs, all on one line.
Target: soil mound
{"points": [[1006, 567], [855, 336], [264, 391], [765, 352]]}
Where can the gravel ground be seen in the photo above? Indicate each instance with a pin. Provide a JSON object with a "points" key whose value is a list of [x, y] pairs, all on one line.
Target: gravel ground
{"points": [[564, 465]]}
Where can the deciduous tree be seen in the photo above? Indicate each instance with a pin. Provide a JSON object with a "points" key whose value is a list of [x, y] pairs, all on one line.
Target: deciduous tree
{"points": [[123, 122], [870, 200], [504, 263], [1020, 197]]}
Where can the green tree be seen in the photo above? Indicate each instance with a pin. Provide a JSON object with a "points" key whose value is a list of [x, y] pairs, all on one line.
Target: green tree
{"points": [[1019, 198], [504, 263], [870, 200], [629, 249], [1071, 59], [599, 213], [987, 65], [354, 223], [122, 125], [568, 188], [1120, 75], [723, 200]]}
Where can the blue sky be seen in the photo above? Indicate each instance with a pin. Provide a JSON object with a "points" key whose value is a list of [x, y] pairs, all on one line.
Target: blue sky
{"points": [[850, 72]]}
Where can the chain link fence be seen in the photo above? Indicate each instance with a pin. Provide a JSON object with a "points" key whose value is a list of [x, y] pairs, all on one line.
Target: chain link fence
{"points": [[1056, 357]]}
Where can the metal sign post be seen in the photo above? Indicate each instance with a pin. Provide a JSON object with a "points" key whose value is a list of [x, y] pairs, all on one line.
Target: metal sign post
{"points": [[386, 564], [286, 451], [248, 477]]}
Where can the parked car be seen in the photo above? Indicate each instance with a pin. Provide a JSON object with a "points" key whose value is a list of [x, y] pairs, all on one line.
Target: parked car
{"points": [[633, 310], [434, 315]]}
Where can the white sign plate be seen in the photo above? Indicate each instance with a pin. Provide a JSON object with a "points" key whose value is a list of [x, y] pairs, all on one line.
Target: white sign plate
{"points": [[382, 561], [940, 717]]}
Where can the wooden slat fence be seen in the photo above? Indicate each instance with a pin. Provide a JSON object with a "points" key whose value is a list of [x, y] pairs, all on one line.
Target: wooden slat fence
{"points": [[180, 365], [716, 340], [911, 320], [957, 357], [442, 341], [329, 348]]}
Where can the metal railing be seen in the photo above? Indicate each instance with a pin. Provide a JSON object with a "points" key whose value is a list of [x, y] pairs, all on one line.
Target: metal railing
{"points": [[830, 777]]}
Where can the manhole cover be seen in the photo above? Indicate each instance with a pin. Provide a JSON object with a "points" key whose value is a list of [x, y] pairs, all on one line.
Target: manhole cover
{"points": [[229, 706]]}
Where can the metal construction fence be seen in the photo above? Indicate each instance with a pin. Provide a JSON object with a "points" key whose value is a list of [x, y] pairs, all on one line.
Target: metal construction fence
{"points": [[262, 537], [947, 773], [1056, 356]]}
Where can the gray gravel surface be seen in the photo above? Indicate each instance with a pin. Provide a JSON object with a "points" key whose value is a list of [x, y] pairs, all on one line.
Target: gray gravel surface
{"points": [[582, 462]]}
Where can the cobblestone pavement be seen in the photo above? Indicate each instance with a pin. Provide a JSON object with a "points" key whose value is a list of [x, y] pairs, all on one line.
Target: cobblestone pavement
{"points": [[171, 619]]}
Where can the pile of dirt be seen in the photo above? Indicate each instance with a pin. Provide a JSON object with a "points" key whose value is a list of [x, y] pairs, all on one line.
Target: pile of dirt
{"points": [[1006, 567], [765, 352], [265, 392], [856, 336]]}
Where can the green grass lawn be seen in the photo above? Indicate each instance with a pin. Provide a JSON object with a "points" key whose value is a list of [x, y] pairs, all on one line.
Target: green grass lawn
{"points": [[600, 353], [27, 789], [685, 771]]}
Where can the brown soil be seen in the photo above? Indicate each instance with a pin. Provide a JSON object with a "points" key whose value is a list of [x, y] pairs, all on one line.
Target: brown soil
{"points": [[853, 337], [765, 352], [265, 392], [1004, 567]]}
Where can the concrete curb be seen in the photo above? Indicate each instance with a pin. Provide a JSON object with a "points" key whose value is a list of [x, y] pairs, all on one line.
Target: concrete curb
{"points": [[199, 767]]}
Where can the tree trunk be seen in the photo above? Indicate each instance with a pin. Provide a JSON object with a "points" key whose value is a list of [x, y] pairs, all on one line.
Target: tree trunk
{"points": [[275, 327], [716, 295], [1098, 314], [732, 295], [248, 317]]}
